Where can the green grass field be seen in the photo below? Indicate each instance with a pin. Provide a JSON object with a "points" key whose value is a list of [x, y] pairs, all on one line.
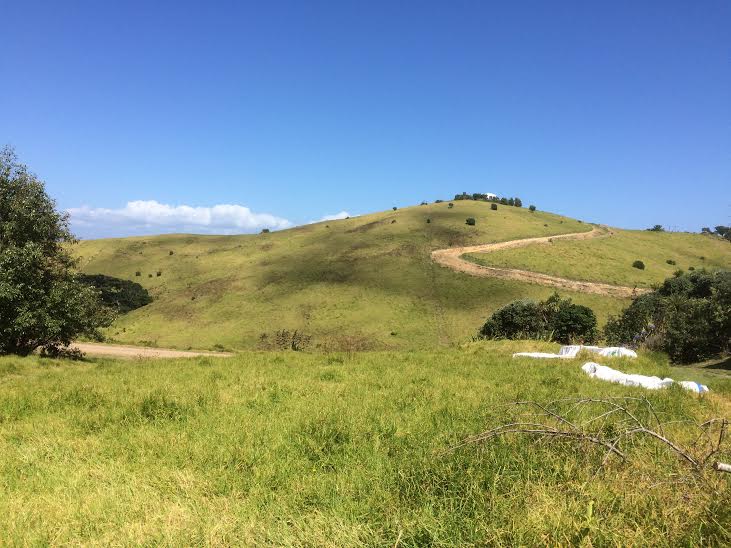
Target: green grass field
{"points": [[361, 283], [610, 259], [295, 449]]}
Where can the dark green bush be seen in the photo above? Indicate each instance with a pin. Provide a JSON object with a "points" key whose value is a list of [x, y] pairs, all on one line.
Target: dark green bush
{"points": [[656, 228], [123, 295], [532, 208], [670, 262], [553, 319], [428, 221], [493, 207], [689, 317], [639, 265], [470, 221], [265, 231], [450, 205]]}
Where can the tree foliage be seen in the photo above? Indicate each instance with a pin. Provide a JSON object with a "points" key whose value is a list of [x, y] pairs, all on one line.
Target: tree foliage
{"points": [[689, 317], [554, 319], [42, 302]]}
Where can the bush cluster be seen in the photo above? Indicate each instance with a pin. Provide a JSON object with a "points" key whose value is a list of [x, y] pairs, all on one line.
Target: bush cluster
{"points": [[688, 317], [122, 295], [554, 319]]}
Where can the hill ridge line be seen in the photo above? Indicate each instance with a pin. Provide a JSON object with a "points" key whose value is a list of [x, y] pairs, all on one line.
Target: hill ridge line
{"points": [[451, 258]]}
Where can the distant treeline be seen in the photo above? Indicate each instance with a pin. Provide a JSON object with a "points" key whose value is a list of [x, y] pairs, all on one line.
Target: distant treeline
{"points": [[517, 202], [720, 230]]}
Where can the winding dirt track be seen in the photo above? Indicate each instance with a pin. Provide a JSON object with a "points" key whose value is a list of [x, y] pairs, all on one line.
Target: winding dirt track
{"points": [[452, 258], [123, 351]]}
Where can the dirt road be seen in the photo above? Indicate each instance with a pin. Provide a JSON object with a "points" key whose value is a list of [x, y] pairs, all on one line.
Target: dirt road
{"points": [[121, 351], [452, 258]]}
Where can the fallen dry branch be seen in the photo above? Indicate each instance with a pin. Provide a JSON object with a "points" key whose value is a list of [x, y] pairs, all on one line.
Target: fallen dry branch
{"points": [[587, 419]]}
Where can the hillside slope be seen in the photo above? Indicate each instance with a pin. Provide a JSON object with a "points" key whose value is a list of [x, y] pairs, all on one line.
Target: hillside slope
{"points": [[361, 283], [610, 260]]}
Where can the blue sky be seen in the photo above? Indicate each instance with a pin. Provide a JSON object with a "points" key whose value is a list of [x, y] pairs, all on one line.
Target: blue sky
{"points": [[143, 116]]}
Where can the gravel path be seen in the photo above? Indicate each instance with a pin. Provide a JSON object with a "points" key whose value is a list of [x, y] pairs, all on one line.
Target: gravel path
{"points": [[123, 351], [452, 258]]}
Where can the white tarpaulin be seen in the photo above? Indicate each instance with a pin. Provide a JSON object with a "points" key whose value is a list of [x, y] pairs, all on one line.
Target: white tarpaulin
{"points": [[605, 373], [571, 351]]}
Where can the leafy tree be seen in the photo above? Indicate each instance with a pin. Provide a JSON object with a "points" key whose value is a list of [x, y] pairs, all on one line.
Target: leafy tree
{"points": [[722, 230], [265, 231], [656, 228], [511, 201], [450, 205], [394, 208], [688, 316], [532, 208], [706, 230], [493, 207], [518, 202], [504, 201], [42, 302], [470, 221]]}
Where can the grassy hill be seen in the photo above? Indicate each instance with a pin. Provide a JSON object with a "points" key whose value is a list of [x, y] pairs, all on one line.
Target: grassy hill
{"points": [[361, 283], [610, 259]]}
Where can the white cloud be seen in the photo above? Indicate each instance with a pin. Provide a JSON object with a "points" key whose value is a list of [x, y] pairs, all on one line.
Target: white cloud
{"points": [[335, 217], [150, 216]]}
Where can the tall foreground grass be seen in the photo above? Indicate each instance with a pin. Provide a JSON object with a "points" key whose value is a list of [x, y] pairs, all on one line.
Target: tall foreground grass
{"points": [[334, 450]]}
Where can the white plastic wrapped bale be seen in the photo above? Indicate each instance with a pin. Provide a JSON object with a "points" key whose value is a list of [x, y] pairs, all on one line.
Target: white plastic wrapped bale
{"points": [[541, 355], [605, 373], [571, 351], [616, 352]]}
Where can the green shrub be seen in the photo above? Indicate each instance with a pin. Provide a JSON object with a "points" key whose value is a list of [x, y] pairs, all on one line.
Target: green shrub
{"points": [[691, 268], [670, 262], [394, 208], [428, 221], [138, 273], [532, 208], [171, 252], [265, 231], [493, 207], [656, 228], [123, 295], [450, 205], [553, 319], [639, 265], [158, 273], [471, 221]]}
